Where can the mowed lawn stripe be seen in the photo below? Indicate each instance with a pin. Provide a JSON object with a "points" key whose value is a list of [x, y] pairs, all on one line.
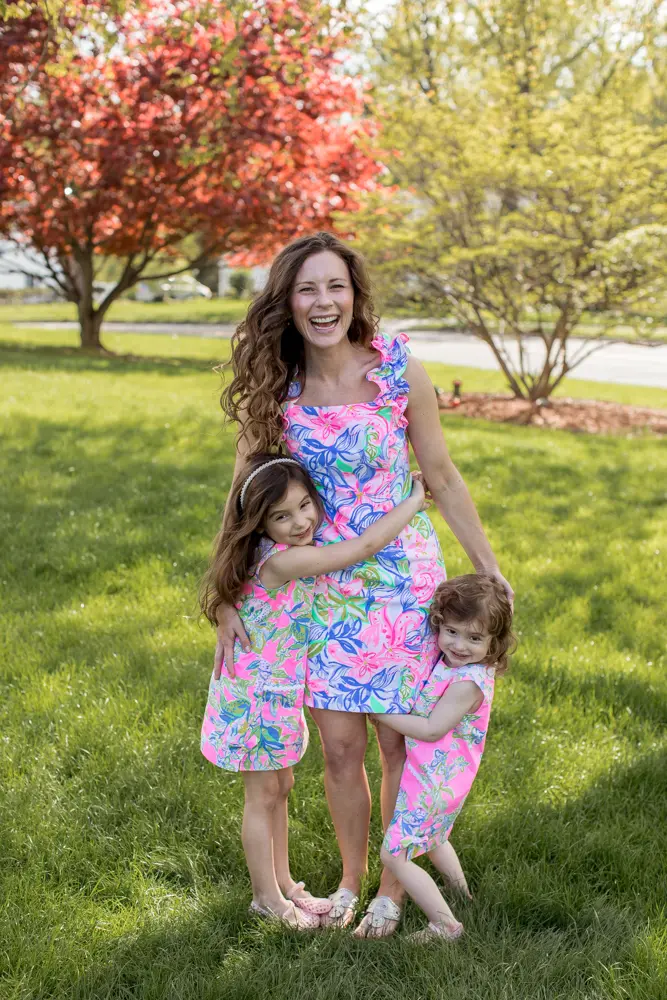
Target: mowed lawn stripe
{"points": [[122, 872]]}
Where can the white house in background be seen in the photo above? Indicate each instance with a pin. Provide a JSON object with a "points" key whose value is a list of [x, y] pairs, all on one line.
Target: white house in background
{"points": [[13, 265], [258, 275]]}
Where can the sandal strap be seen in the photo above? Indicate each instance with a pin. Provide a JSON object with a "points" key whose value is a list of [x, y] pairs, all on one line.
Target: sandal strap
{"points": [[381, 909], [297, 887], [341, 900]]}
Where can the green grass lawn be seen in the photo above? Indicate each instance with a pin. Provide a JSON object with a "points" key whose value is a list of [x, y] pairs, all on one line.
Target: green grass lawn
{"points": [[121, 871], [126, 311]]}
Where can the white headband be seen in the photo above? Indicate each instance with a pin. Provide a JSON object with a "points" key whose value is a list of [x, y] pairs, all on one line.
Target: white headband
{"points": [[255, 472]]}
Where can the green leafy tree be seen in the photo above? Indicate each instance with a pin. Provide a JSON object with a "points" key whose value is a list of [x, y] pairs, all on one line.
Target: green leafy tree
{"points": [[527, 150]]}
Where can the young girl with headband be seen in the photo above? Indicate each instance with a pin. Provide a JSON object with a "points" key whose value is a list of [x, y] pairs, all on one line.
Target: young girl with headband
{"points": [[265, 563]]}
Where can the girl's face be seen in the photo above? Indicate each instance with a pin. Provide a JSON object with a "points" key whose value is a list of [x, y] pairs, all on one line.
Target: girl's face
{"points": [[322, 300], [463, 642], [292, 521]]}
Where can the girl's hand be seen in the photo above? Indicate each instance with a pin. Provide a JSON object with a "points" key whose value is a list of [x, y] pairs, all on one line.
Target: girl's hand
{"points": [[419, 490], [230, 627]]}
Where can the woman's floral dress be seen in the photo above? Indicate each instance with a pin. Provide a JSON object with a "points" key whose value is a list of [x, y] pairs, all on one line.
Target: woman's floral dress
{"points": [[438, 776], [255, 720], [370, 645]]}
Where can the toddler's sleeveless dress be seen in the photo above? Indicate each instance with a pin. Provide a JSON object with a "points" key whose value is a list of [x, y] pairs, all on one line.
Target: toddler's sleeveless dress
{"points": [[255, 720], [370, 644], [438, 776]]}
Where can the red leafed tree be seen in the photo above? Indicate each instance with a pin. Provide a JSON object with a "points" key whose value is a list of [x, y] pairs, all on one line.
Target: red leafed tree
{"points": [[232, 121]]}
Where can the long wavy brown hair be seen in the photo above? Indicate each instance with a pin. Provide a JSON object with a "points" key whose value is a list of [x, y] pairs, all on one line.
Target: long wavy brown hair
{"points": [[268, 350], [235, 547], [476, 597]]}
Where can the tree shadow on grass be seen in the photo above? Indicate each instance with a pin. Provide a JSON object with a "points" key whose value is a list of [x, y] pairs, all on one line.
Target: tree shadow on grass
{"points": [[561, 896], [71, 360]]}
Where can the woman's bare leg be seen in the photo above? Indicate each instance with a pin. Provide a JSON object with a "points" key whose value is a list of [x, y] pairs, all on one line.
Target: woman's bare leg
{"points": [[344, 737], [392, 757]]}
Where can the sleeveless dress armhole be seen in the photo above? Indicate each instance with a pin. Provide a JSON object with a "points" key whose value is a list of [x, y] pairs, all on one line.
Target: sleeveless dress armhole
{"points": [[265, 553], [389, 375], [479, 674]]}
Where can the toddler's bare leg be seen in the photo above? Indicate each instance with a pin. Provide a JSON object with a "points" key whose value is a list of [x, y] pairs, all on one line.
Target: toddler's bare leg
{"points": [[421, 887], [445, 859]]}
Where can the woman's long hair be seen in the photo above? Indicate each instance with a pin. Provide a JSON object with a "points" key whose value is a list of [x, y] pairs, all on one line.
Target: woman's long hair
{"points": [[267, 348], [235, 546]]}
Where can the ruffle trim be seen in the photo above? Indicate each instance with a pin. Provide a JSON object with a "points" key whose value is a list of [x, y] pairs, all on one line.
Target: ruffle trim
{"points": [[390, 373], [389, 376]]}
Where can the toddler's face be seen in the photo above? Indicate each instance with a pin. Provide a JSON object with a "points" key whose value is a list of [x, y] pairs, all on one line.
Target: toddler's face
{"points": [[293, 519], [463, 642]]}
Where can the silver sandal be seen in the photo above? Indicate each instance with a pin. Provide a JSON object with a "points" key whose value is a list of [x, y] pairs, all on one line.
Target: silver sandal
{"points": [[343, 909], [379, 911]]}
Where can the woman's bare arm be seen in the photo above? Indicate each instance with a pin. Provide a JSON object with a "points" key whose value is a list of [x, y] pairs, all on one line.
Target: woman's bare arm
{"points": [[443, 479]]}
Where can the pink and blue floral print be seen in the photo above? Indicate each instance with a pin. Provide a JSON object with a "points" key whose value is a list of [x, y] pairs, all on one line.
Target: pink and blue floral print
{"points": [[255, 720], [370, 645], [438, 776]]}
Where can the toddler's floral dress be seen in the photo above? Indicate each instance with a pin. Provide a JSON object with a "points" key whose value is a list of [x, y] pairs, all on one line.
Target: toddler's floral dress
{"points": [[255, 720], [438, 776]]}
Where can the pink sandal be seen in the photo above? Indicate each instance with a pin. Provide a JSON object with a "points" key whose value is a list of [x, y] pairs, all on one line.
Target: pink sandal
{"points": [[310, 904], [433, 932], [294, 918]]}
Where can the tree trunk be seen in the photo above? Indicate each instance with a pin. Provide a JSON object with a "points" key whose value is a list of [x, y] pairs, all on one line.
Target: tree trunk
{"points": [[90, 323]]}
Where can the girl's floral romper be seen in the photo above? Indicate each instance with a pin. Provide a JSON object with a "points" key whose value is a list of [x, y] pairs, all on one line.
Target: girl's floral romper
{"points": [[370, 643], [438, 776], [255, 720]]}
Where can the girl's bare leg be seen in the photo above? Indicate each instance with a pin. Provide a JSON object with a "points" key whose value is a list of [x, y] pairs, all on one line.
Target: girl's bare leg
{"points": [[344, 737], [280, 831], [422, 888], [445, 859], [262, 790]]}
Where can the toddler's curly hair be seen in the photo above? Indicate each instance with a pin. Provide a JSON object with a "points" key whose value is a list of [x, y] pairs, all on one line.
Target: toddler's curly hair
{"points": [[476, 597]]}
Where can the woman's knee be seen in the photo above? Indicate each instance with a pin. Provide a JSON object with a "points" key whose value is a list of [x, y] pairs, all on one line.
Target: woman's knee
{"points": [[343, 742]]}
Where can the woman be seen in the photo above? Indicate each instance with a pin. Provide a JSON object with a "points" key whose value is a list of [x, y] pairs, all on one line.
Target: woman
{"points": [[312, 375]]}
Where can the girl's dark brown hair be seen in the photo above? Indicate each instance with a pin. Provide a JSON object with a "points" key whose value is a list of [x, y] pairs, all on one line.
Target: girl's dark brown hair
{"points": [[267, 348], [476, 597], [235, 546]]}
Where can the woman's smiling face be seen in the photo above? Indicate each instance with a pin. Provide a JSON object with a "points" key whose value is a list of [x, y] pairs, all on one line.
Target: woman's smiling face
{"points": [[322, 299]]}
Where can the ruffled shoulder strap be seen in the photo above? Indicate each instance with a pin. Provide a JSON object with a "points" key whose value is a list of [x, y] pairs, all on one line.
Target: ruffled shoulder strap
{"points": [[267, 548], [390, 373], [479, 674]]}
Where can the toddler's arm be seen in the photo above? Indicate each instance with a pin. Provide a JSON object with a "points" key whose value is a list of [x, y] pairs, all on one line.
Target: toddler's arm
{"points": [[458, 700], [311, 560]]}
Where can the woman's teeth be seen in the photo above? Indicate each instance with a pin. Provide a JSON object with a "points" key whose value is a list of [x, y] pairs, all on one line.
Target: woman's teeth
{"points": [[324, 322]]}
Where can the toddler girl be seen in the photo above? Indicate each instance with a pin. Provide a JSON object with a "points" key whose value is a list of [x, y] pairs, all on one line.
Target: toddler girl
{"points": [[445, 739], [265, 562]]}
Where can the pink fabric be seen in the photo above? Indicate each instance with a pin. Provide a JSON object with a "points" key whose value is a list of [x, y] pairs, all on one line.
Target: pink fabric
{"points": [[370, 644], [255, 720], [438, 776]]}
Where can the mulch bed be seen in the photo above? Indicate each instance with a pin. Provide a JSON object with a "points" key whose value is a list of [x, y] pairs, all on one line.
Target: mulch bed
{"points": [[583, 415]]}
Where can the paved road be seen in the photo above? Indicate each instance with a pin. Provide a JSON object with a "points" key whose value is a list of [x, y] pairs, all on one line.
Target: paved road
{"points": [[629, 364]]}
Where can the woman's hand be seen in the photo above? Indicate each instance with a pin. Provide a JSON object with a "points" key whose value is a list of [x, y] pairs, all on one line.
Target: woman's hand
{"points": [[505, 584], [230, 627]]}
